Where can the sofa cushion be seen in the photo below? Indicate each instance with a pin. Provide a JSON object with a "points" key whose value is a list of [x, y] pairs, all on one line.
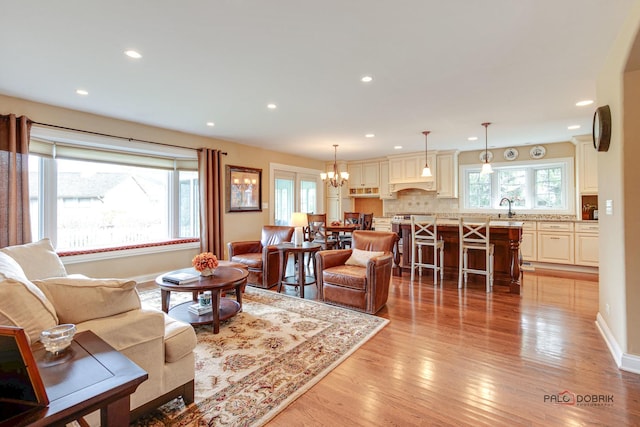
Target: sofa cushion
{"points": [[179, 339], [38, 260], [79, 299], [22, 304], [360, 258], [348, 276], [251, 260]]}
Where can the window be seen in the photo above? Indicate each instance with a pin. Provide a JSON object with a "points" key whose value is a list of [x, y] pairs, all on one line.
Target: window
{"points": [[294, 190], [83, 198], [533, 187]]}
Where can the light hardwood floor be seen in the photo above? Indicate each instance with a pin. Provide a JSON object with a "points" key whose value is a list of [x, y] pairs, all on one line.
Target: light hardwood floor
{"points": [[451, 357]]}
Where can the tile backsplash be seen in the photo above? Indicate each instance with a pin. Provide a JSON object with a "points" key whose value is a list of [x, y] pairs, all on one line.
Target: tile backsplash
{"points": [[418, 201], [421, 202]]}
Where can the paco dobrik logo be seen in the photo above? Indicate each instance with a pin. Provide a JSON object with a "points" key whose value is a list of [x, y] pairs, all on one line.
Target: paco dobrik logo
{"points": [[568, 398]]}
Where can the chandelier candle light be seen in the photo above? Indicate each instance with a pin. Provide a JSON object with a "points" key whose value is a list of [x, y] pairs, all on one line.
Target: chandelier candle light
{"points": [[333, 178], [486, 166], [426, 171]]}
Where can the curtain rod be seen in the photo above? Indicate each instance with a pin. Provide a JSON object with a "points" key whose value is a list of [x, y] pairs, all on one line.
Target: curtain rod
{"points": [[116, 136]]}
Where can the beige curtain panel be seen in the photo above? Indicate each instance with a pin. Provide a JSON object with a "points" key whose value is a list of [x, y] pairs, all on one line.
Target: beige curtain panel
{"points": [[210, 181]]}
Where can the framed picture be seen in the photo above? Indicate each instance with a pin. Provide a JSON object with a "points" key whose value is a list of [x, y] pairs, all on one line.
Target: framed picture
{"points": [[243, 189], [21, 389]]}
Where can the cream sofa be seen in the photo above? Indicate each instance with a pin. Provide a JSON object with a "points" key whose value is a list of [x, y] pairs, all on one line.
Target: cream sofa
{"points": [[36, 293]]}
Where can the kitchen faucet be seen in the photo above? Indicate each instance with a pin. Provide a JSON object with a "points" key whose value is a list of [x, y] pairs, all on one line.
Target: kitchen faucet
{"points": [[510, 213]]}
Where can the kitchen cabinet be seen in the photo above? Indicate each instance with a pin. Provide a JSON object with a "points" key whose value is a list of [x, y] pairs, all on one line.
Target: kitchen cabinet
{"points": [[364, 179], [447, 175], [338, 202], [385, 191], [408, 168], [587, 160], [529, 243], [556, 242], [586, 244]]}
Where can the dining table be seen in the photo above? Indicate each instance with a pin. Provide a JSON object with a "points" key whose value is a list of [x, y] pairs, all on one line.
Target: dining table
{"points": [[338, 229]]}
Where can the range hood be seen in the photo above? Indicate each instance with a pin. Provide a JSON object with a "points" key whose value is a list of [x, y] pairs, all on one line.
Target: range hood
{"points": [[424, 186]]}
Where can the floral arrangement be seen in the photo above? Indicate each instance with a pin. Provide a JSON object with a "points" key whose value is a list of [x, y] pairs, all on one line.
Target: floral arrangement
{"points": [[205, 260]]}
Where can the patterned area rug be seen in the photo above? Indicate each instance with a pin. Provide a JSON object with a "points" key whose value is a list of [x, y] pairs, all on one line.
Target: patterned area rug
{"points": [[264, 358]]}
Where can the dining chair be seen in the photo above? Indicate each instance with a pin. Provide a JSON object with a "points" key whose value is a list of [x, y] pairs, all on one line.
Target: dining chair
{"points": [[424, 234], [349, 218], [474, 235], [366, 221], [316, 231]]}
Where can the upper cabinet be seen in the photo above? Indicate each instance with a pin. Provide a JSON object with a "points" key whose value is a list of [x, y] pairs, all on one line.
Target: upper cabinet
{"points": [[385, 191], [408, 168], [587, 165], [447, 175], [364, 179]]}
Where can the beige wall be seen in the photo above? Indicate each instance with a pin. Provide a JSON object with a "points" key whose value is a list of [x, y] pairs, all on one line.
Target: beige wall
{"points": [[237, 226], [618, 175]]}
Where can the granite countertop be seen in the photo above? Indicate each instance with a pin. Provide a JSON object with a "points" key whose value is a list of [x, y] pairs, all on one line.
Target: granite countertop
{"points": [[504, 219]]}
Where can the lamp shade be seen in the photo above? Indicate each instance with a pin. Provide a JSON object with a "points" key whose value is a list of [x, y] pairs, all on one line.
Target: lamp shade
{"points": [[299, 219]]}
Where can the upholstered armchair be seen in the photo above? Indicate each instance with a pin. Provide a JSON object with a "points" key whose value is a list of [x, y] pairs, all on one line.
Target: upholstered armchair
{"points": [[260, 256], [359, 277]]}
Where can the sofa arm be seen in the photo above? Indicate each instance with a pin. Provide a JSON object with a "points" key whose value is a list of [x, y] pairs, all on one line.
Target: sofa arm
{"points": [[378, 279], [332, 258], [246, 247], [128, 329]]}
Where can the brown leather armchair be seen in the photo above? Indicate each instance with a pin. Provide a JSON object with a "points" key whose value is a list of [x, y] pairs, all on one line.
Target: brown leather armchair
{"points": [[260, 256], [363, 288]]}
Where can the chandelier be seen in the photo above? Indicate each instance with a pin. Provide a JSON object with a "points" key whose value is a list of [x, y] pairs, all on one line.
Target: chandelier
{"points": [[333, 178]]}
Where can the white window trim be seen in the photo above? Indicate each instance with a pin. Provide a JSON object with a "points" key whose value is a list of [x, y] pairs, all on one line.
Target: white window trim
{"points": [[299, 171], [569, 187], [44, 140]]}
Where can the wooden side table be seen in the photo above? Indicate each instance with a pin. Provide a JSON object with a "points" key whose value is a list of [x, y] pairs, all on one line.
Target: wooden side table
{"points": [[91, 375], [224, 279], [303, 279]]}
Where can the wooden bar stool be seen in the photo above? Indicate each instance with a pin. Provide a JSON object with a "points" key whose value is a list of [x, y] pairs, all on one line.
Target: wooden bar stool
{"points": [[424, 233], [474, 235]]}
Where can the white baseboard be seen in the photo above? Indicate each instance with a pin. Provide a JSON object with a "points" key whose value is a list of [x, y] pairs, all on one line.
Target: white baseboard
{"points": [[624, 361], [532, 265]]}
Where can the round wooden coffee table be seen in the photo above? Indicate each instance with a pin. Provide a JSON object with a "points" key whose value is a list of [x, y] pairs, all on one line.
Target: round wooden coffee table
{"points": [[223, 279]]}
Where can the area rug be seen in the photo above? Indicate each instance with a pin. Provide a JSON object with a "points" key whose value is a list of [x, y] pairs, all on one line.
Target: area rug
{"points": [[264, 358]]}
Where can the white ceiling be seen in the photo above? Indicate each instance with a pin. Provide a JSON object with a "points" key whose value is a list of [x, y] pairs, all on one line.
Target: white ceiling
{"points": [[443, 66]]}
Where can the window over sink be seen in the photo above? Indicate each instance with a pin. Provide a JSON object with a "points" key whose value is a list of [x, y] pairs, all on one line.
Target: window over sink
{"points": [[532, 186]]}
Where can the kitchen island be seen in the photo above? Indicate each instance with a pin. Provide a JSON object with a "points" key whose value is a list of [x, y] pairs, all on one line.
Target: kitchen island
{"points": [[505, 235]]}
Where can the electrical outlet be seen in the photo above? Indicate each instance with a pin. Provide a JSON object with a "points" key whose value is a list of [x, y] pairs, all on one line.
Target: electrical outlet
{"points": [[607, 309]]}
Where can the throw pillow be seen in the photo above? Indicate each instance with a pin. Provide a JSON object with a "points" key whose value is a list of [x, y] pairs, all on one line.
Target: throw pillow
{"points": [[38, 260], [22, 304], [79, 299], [360, 258]]}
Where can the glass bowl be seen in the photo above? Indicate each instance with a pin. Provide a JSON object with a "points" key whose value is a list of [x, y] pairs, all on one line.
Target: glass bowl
{"points": [[58, 338]]}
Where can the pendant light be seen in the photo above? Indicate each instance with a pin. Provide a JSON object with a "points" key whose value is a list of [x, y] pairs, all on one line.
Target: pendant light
{"points": [[426, 171], [486, 166]]}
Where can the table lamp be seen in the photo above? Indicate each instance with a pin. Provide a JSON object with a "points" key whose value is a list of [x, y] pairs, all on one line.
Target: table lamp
{"points": [[298, 220]]}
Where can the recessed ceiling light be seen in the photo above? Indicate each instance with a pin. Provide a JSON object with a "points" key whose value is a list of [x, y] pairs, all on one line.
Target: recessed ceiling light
{"points": [[82, 92], [366, 79], [583, 103], [211, 124], [133, 54], [272, 106], [397, 147], [473, 138], [572, 127], [370, 135]]}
